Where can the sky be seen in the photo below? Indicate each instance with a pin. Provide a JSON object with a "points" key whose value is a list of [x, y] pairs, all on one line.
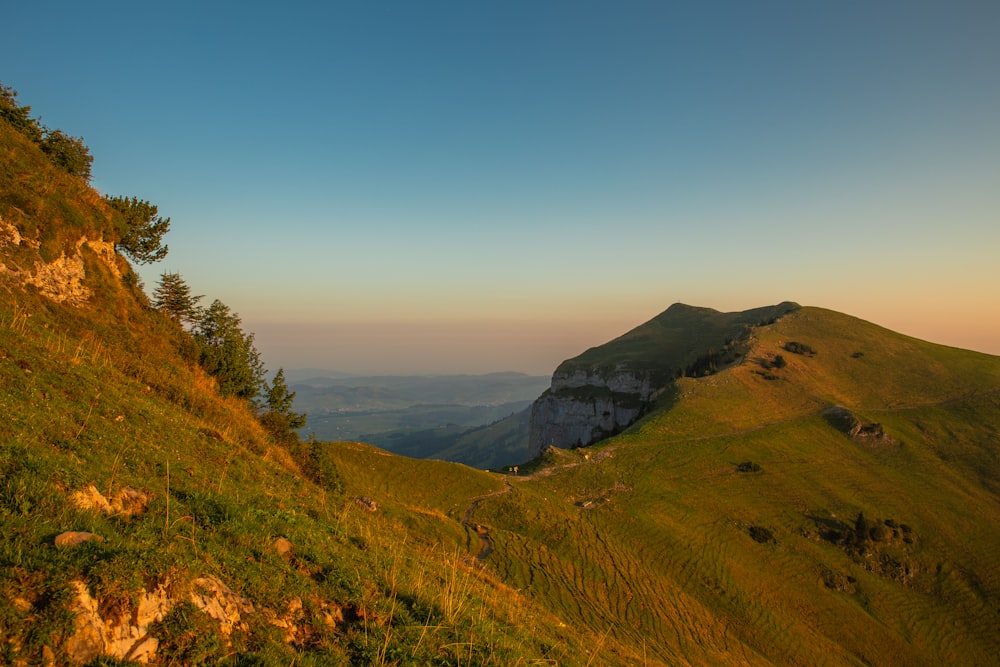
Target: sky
{"points": [[466, 187]]}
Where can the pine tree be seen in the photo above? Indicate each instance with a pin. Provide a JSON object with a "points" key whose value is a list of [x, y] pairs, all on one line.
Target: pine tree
{"points": [[861, 528], [173, 297], [228, 353], [279, 417], [141, 229]]}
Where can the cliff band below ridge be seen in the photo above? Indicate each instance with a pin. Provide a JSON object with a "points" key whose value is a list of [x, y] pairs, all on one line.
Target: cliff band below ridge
{"points": [[582, 407], [607, 388]]}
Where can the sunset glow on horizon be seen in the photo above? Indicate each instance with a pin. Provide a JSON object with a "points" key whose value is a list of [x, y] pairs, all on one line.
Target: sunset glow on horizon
{"points": [[413, 188]]}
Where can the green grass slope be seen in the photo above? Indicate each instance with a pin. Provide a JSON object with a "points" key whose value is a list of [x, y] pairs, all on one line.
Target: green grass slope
{"points": [[658, 540], [102, 397]]}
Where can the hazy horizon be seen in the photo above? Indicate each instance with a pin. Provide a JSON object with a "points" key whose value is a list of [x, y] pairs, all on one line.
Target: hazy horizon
{"points": [[479, 348], [476, 187]]}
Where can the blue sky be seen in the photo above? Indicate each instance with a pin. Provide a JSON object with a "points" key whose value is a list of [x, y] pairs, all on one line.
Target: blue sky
{"points": [[478, 186]]}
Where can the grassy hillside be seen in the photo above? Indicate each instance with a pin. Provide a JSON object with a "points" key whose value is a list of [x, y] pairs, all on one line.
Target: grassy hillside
{"points": [[659, 539], [109, 428]]}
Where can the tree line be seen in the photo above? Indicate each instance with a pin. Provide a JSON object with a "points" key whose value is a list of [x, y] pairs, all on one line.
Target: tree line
{"points": [[226, 352], [65, 151]]}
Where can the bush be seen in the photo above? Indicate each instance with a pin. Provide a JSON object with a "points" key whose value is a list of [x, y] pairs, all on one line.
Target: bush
{"points": [[879, 533], [188, 636], [762, 535], [69, 153], [748, 466], [19, 117], [66, 152], [317, 464], [799, 348]]}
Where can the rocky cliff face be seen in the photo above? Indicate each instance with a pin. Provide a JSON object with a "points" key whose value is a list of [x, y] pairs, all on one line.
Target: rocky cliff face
{"points": [[582, 407]]}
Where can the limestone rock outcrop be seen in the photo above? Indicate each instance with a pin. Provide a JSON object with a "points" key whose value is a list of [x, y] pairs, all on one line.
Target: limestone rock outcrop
{"points": [[124, 637], [62, 279], [124, 634], [583, 407]]}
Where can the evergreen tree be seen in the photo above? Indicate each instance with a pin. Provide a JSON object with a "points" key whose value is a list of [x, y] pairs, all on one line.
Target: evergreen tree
{"points": [[228, 353], [279, 418], [141, 229], [173, 297], [861, 528]]}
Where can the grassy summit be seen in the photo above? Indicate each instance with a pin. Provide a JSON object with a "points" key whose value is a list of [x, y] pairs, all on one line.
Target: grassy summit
{"points": [[674, 340], [828, 497]]}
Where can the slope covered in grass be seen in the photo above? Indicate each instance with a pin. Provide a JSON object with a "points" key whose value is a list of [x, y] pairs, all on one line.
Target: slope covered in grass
{"points": [[209, 545], [723, 528]]}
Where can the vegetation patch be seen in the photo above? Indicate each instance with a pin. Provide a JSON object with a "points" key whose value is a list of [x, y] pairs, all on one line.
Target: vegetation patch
{"points": [[799, 348], [853, 427], [881, 546]]}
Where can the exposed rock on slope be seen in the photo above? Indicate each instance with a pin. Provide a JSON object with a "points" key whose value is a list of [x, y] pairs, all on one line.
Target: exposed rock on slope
{"points": [[62, 279], [607, 388]]}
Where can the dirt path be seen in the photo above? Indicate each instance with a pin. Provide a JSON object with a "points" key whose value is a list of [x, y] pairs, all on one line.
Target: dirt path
{"points": [[481, 531]]}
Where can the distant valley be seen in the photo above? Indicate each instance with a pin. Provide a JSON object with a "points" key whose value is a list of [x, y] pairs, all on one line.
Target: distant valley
{"points": [[479, 420]]}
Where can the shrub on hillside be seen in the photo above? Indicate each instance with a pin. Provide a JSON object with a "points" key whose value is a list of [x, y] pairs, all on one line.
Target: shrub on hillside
{"points": [[314, 460], [748, 466], [762, 535], [18, 116], [68, 153], [799, 348]]}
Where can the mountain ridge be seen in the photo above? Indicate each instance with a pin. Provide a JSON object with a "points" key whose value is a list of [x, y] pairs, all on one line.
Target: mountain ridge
{"points": [[607, 388]]}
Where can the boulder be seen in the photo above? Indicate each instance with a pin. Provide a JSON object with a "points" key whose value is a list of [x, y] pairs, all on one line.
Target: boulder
{"points": [[72, 538]]}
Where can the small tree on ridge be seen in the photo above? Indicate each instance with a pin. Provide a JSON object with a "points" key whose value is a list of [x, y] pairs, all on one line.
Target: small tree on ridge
{"points": [[141, 229], [227, 353], [279, 418], [173, 297]]}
